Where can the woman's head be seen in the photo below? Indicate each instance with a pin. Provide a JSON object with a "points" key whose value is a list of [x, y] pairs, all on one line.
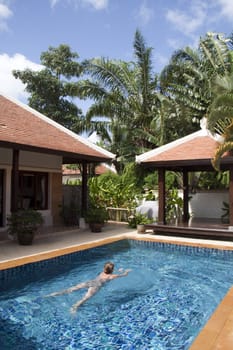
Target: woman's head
{"points": [[108, 267]]}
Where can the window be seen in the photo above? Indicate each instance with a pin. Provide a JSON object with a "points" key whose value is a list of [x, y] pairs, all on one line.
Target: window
{"points": [[33, 190]]}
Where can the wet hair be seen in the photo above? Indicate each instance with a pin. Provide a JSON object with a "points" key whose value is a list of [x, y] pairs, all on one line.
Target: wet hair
{"points": [[108, 267]]}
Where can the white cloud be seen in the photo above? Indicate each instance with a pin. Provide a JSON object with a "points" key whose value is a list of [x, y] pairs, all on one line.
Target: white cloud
{"points": [[160, 61], [226, 8], [145, 13], [8, 84], [5, 14], [53, 2], [96, 4], [188, 23], [174, 43]]}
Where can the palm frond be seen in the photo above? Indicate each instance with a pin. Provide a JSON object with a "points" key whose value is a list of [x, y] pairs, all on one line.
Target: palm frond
{"points": [[225, 147]]}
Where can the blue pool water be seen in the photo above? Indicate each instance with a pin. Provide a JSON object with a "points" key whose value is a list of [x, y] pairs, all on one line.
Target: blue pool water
{"points": [[161, 305]]}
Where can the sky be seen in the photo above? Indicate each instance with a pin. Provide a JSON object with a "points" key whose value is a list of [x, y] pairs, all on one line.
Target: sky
{"points": [[94, 28]]}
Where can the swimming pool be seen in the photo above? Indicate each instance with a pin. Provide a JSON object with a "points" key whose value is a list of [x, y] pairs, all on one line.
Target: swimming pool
{"points": [[161, 305]]}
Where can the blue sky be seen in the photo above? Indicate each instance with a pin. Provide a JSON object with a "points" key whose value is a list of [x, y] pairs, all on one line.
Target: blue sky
{"points": [[102, 28]]}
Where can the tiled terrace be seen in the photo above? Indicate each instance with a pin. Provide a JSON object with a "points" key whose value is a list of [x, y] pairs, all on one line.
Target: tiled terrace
{"points": [[217, 333]]}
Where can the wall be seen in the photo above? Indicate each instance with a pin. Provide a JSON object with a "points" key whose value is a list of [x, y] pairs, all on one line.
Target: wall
{"points": [[204, 204], [30, 160], [208, 204], [34, 161]]}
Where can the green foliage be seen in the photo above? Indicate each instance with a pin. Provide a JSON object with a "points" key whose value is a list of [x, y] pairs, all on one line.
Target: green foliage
{"points": [[212, 180], [151, 181], [220, 119], [96, 214], [24, 220], [113, 190], [223, 179], [24, 224], [173, 179], [125, 95], [190, 80], [174, 205], [74, 182], [138, 219], [51, 90]]}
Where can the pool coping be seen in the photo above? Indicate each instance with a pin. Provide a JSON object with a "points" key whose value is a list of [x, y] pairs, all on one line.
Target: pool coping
{"points": [[217, 334]]}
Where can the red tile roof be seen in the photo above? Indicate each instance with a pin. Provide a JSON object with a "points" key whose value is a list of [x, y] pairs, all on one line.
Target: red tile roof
{"points": [[28, 129], [99, 170], [198, 146]]}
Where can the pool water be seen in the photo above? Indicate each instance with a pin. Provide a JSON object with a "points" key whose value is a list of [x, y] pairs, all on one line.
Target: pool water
{"points": [[162, 304]]}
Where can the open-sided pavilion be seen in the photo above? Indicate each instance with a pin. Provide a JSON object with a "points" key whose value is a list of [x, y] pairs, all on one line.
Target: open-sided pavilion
{"points": [[192, 153]]}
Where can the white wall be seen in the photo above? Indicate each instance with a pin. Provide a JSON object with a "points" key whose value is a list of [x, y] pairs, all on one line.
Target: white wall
{"points": [[208, 204], [205, 204]]}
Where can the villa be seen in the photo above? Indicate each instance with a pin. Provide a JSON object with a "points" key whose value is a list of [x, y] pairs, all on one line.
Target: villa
{"points": [[33, 149]]}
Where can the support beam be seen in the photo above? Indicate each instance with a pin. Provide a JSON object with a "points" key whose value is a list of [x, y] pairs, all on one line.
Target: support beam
{"points": [[15, 181], [84, 189], [231, 196], [185, 196], [162, 202]]}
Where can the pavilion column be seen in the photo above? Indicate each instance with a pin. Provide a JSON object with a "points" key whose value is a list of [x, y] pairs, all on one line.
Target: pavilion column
{"points": [[162, 202], [84, 189], [185, 196], [15, 181], [231, 196]]}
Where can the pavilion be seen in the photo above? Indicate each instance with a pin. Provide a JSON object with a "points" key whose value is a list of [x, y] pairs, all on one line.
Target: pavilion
{"points": [[191, 153]]}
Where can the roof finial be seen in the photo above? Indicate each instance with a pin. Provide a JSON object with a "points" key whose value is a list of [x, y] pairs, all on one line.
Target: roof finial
{"points": [[203, 123]]}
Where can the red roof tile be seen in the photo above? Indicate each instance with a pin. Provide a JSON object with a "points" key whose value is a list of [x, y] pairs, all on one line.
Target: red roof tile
{"points": [[99, 169], [200, 145], [22, 125]]}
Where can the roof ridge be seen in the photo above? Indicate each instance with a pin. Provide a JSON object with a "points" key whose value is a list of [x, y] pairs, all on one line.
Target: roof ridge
{"points": [[200, 133], [59, 126]]}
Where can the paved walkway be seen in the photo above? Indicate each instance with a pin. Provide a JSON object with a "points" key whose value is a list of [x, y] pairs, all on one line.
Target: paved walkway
{"points": [[72, 238], [59, 240]]}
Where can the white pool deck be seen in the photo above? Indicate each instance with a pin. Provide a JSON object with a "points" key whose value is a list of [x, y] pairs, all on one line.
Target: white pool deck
{"points": [[217, 333]]}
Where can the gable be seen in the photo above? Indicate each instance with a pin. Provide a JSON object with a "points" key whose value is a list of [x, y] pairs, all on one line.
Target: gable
{"points": [[28, 129]]}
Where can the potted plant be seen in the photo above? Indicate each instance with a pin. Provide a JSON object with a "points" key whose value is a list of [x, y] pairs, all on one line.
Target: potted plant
{"points": [[23, 224], [96, 217], [139, 220]]}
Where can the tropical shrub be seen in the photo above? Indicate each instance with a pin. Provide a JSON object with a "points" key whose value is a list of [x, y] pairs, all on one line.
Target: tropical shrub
{"points": [[139, 219], [114, 190]]}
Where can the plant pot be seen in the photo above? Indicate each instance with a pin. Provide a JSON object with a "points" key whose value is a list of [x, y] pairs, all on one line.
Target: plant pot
{"points": [[95, 227], [141, 228], [25, 238]]}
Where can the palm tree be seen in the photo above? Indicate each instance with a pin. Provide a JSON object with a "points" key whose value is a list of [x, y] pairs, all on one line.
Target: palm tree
{"points": [[220, 118], [125, 101], [189, 77]]}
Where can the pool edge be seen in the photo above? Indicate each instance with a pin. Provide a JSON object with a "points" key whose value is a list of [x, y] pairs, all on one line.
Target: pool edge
{"points": [[217, 334]]}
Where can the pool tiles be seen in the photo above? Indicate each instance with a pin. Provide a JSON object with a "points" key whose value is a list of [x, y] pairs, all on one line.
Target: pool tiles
{"points": [[32, 266], [217, 334]]}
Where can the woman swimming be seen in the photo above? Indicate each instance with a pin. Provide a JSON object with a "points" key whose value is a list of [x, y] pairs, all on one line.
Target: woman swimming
{"points": [[92, 285]]}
